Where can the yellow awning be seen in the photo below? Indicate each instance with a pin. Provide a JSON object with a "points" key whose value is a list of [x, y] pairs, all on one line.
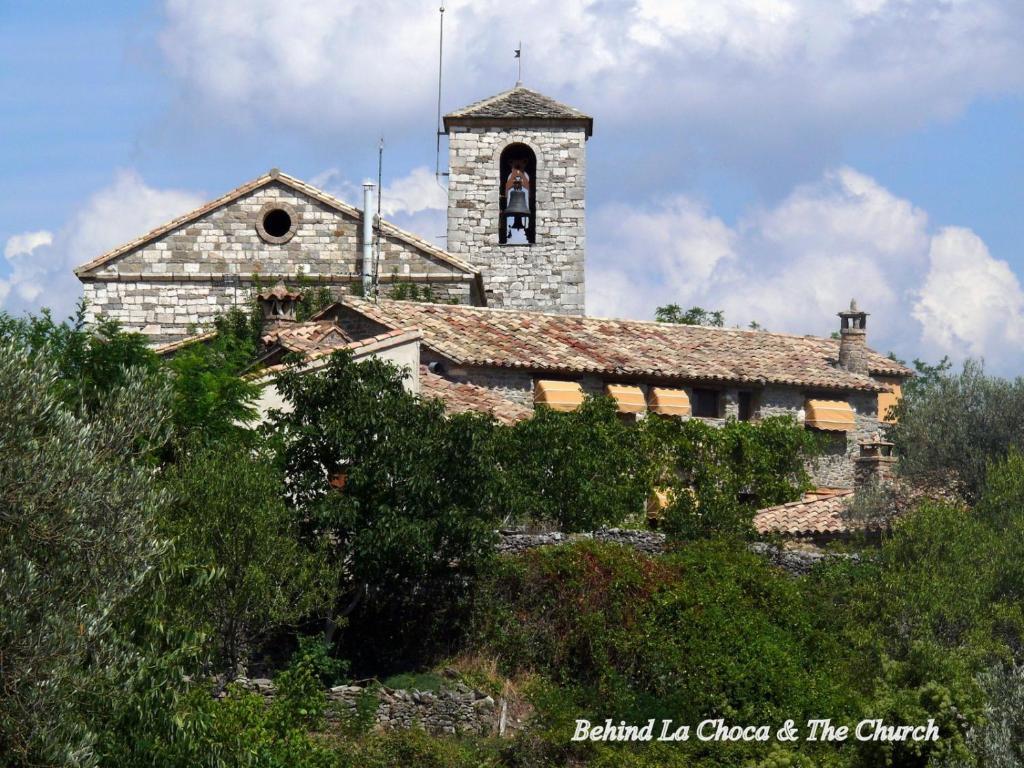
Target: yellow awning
{"points": [[887, 400], [658, 500], [669, 402], [558, 395], [831, 415], [629, 398]]}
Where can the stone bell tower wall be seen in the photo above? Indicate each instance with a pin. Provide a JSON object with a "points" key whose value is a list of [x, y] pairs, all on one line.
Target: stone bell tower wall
{"points": [[547, 275]]}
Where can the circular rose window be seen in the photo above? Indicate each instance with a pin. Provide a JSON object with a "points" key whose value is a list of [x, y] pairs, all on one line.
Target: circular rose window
{"points": [[276, 223]]}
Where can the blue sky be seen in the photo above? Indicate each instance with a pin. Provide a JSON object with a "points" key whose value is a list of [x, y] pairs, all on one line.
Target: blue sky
{"points": [[772, 158]]}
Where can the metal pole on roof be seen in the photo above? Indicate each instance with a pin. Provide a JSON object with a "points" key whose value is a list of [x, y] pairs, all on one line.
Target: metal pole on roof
{"points": [[367, 238], [440, 126], [380, 192]]}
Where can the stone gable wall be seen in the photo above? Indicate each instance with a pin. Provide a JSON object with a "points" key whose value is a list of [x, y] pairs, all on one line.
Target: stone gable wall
{"points": [[178, 283], [548, 274]]}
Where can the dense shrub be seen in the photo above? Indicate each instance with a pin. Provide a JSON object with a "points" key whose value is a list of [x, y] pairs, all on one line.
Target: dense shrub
{"points": [[954, 424], [720, 476], [578, 470], [77, 507], [707, 631], [241, 569]]}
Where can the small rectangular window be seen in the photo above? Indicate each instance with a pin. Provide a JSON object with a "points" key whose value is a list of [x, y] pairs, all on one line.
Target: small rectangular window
{"points": [[746, 406], [705, 403]]}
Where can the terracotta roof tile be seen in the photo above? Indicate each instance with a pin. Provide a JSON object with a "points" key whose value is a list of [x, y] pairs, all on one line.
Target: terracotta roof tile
{"points": [[577, 345], [308, 337], [335, 343], [815, 514], [460, 397]]}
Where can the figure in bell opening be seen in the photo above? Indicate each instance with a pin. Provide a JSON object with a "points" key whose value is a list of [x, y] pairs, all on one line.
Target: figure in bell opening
{"points": [[517, 189]]}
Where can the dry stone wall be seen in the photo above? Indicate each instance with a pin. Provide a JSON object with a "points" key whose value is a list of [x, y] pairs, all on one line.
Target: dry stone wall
{"points": [[458, 709]]}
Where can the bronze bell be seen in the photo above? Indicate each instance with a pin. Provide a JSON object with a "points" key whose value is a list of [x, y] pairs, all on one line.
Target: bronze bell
{"points": [[517, 207]]}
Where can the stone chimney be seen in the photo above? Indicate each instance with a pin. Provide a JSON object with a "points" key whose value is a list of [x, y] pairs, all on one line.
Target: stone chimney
{"points": [[853, 342], [278, 305], [875, 464]]}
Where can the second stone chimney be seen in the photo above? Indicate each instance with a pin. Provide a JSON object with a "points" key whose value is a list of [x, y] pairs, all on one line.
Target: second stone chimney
{"points": [[875, 464], [278, 305], [853, 342]]}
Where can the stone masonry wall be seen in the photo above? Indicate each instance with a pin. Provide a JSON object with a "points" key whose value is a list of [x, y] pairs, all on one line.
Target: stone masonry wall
{"points": [[548, 274], [457, 709], [185, 277], [835, 468]]}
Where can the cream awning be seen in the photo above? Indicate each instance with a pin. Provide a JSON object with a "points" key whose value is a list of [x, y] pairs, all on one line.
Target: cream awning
{"points": [[629, 398], [831, 415], [558, 395], [669, 402], [887, 400]]}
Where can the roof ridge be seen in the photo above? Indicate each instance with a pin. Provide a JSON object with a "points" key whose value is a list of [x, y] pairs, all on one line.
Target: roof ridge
{"points": [[602, 318], [254, 184]]}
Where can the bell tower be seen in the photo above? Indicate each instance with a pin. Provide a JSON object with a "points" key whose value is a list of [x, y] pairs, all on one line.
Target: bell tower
{"points": [[516, 197]]}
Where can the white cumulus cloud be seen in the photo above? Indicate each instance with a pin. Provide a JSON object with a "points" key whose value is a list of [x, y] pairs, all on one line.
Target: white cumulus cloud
{"points": [[41, 264], [792, 266], [26, 242], [744, 77], [969, 302]]}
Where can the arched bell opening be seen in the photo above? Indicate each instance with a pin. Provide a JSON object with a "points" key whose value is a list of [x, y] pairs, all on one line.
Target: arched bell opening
{"points": [[517, 195]]}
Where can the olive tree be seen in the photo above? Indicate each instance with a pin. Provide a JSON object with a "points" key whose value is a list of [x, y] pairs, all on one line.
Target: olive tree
{"points": [[77, 503]]}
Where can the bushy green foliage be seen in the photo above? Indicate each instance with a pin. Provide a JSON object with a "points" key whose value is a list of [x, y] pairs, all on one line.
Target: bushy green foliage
{"points": [[77, 505], [673, 313], [951, 425], [413, 509], [580, 470], [88, 362], [709, 630], [243, 570], [212, 402], [720, 476]]}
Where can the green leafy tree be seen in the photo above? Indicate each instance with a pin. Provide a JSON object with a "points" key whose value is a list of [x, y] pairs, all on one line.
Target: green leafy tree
{"points": [[581, 469], [673, 313], [89, 361], [719, 476], [242, 568], [212, 401], [77, 505], [952, 425], [400, 490]]}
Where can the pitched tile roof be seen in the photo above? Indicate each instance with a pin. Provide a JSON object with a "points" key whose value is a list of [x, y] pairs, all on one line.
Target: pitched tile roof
{"points": [[358, 348], [517, 104], [308, 337], [175, 346], [631, 349], [273, 176], [814, 515], [460, 397]]}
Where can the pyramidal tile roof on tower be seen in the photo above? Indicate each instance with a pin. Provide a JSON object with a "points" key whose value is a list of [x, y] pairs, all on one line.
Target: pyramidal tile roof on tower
{"points": [[515, 105]]}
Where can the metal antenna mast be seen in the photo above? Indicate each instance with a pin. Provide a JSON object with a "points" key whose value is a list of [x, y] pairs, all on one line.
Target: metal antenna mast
{"points": [[380, 192], [440, 127]]}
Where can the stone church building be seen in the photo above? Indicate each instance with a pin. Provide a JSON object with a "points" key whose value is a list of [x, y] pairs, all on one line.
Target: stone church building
{"points": [[507, 328]]}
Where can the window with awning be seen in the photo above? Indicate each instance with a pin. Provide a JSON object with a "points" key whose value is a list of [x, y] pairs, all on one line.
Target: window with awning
{"points": [[668, 402], [829, 415], [558, 395], [629, 398], [887, 400]]}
